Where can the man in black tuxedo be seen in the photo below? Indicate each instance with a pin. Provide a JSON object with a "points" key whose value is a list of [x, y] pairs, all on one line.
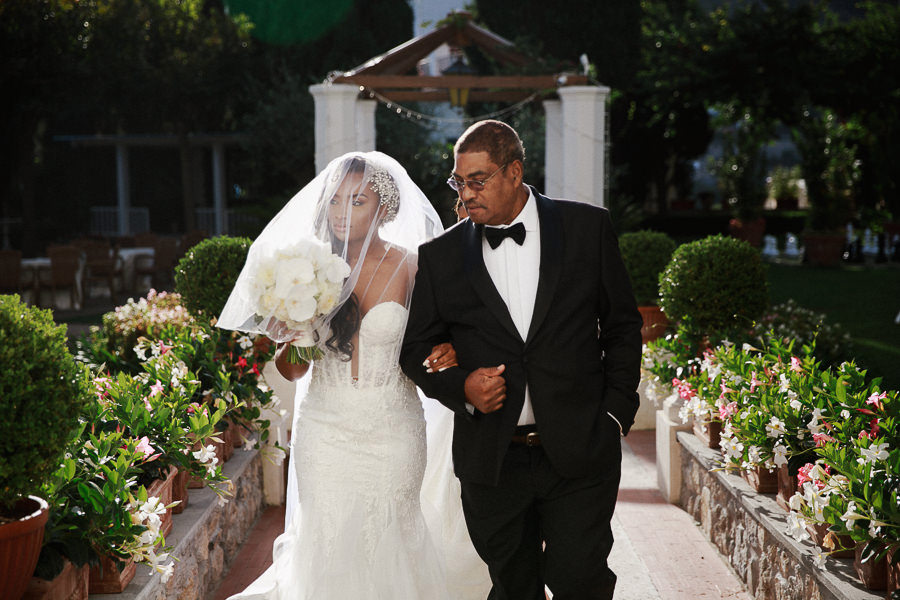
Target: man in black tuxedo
{"points": [[541, 399]]}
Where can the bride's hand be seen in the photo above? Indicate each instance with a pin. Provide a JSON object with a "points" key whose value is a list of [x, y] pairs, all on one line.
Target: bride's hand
{"points": [[443, 356]]}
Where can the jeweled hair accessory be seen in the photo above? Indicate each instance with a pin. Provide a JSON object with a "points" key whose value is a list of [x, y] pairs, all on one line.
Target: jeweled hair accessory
{"points": [[386, 188]]}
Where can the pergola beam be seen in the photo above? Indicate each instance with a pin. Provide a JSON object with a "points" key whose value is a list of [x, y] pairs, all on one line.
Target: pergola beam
{"points": [[441, 96], [532, 82]]}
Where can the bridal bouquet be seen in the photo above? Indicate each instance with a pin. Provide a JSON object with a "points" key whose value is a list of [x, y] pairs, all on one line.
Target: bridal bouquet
{"points": [[293, 287]]}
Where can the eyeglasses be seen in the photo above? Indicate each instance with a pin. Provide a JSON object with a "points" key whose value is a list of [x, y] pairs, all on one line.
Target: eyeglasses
{"points": [[474, 184]]}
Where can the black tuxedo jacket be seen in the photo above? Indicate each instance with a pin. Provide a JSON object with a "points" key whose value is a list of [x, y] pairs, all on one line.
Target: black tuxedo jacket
{"points": [[574, 374]]}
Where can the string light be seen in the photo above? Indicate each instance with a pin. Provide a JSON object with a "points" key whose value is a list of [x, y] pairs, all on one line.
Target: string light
{"points": [[410, 114]]}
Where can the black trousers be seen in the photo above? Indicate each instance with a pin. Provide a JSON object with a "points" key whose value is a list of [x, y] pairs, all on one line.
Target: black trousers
{"points": [[533, 507]]}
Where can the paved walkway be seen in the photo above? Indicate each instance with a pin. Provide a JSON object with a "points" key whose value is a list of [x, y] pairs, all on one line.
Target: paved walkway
{"points": [[659, 552]]}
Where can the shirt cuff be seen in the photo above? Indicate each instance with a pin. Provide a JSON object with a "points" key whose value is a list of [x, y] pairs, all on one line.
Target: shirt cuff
{"points": [[470, 408], [617, 422]]}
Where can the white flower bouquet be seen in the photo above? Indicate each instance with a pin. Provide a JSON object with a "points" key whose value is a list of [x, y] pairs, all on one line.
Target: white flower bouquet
{"points": [[293, 287]]}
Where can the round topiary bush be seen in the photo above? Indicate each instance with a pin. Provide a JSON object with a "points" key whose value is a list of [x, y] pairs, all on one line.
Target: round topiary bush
{"points": [[42, 392], [714, 285], [206, 274], [646, 253]]}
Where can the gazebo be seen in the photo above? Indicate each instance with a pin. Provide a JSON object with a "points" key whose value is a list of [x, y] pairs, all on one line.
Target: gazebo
{"points": [[575, 110]]}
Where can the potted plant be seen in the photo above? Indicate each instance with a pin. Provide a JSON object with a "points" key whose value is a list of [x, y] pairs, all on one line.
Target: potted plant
{"points": [[206, 275], [831, 170], [42, 391], [742, 170], [785, 187], [714, 286], [646, 254]]}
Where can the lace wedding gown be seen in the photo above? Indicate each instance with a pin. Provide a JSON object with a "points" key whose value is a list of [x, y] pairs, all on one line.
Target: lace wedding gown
{"points": [[359, 454]]}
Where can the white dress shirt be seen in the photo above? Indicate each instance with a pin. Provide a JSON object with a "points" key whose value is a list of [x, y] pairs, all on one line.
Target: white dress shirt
{"points": [[514, 270]]}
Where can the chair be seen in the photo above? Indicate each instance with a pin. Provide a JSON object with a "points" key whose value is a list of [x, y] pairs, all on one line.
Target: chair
{"points": [[65, 269], [146, 238], [101, 265], [10, 272], [161, 269]]}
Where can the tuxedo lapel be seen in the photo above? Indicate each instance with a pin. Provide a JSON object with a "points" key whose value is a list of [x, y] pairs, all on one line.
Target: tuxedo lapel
{"points": [[480, 278], [551, 260]]}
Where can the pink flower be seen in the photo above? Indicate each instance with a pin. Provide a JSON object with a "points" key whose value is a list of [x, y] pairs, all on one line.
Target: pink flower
{"points": [[822, 439], [728, 410], [724, 389], [163, 348], [754, 382], [144, 447], [156, 388], [863, 434], [875, 399], [256, 370], [795, 365], [803, 474], [241, 362], [147, 405], [874, 428]]}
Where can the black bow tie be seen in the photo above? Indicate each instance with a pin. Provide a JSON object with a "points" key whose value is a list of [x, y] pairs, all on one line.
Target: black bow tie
{"points": [[495, 235]]}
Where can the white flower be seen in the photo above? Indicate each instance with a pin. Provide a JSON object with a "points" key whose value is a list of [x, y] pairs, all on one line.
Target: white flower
{"points": [[775, 428], [140, 352], [166, 571], [780, 457], [300, 305], [293, 272], [206, 454], [753, 455], [796, 502], [845, 414], [873, 454], [245, 342], [851, 516], [796, 527], [731, 447], [783, 383], [819, 559], [336, 269]]}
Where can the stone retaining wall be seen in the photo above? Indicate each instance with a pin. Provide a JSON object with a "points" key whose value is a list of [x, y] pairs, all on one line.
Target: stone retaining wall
{"points": [[205, 537], [749, 530]]}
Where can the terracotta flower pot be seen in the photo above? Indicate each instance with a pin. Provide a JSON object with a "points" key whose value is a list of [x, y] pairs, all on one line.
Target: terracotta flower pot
{"points": [[655, 323], [872, 573], [106, 578], [70, 584], [750, 231], [20, 545], [762, 480], [162, 489], [893, 572], [180, 491], [787, 487], [710, 432], [823, 249], [819, 532]]}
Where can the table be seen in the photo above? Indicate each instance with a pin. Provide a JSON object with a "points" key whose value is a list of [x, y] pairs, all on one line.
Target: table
{"points": [[129, 258], [38, 271]]}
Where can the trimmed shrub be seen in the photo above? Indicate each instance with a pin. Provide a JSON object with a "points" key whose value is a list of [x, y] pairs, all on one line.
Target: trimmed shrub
{"points": [[42, 392], [206, 274], [714, 285], [646, 254]]}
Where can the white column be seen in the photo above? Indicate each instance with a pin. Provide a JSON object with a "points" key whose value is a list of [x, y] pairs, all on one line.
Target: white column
{"points": [[218, 169], [365, 125], [584, 140], [553, 149], [336, 120], [123, 189]]}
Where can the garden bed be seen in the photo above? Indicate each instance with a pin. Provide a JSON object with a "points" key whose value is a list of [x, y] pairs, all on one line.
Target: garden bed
{"points": [[205, 537], [748, 528]]}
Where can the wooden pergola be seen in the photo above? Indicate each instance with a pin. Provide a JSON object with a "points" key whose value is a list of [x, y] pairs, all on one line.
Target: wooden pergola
{"points": [[388, 74], [575, 109]]}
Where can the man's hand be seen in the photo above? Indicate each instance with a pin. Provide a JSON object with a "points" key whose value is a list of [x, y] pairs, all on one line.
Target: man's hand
{"points": [[442, 356], [486, 389]]}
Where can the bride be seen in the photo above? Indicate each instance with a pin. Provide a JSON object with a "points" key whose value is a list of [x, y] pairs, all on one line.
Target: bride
{"points": [[357, 526]]}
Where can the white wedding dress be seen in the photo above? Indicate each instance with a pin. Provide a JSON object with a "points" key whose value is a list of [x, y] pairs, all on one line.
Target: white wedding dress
{"points": [[359, 459]]}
